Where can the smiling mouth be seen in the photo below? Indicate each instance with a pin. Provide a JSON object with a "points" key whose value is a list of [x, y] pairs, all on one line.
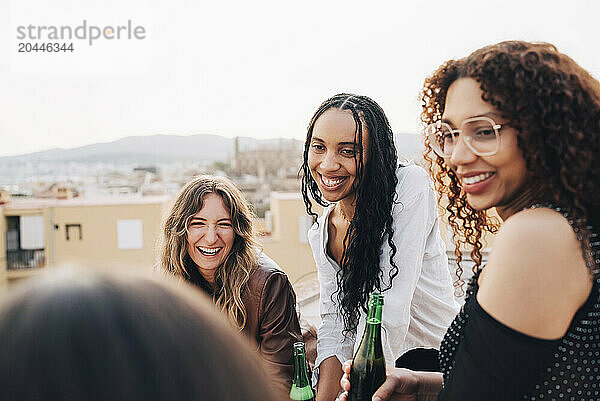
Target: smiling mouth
{"points": [[208, 251], [331, 183], [476, 178]]}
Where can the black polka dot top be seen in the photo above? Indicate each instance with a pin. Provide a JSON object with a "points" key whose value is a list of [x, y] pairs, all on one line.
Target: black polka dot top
{"points": [[482, 359]]}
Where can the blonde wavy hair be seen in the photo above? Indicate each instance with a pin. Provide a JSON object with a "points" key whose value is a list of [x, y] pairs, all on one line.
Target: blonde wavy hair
{"points": [[232, 276]]}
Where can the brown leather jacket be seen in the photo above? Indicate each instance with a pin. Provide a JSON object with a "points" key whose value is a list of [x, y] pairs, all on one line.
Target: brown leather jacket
{"points": [[272, 321]]}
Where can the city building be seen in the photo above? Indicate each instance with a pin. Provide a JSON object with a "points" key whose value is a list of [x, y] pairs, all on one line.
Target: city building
{"points": [[39, 233], [279, 159], [285, 240]]}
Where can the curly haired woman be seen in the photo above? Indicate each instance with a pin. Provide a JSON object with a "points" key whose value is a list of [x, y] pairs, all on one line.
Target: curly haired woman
{"points": [[516, 127], [379, 231], [208, 240]]}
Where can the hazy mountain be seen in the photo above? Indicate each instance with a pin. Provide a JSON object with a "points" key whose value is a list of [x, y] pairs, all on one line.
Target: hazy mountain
{"points": [[171, 148], [148, 149]]}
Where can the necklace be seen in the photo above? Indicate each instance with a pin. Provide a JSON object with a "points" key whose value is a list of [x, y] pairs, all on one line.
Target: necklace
{"points": [[344, 215]]}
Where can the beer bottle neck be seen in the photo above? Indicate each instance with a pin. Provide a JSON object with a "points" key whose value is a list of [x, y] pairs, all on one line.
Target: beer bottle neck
{"points": [[300, 373], [373, 327], [375, 312]]}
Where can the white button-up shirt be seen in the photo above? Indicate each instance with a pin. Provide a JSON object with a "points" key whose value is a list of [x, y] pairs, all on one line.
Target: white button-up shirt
{"points": [[420, 305]]}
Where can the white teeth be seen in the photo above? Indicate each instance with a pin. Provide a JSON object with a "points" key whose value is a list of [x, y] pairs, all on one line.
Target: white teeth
{"points": [[209, 251], [331, 183], [477, 178]]}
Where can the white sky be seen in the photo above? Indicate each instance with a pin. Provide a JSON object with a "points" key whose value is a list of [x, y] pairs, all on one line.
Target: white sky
{"points": [[251, 68]]}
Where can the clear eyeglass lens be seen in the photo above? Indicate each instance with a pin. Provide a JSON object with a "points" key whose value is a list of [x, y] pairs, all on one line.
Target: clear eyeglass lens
{"points": [[479, 134]]}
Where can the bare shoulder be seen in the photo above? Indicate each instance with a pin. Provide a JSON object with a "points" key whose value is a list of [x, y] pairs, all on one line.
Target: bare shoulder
{"points": [[543, 240], [544, 229], [536, 278]]}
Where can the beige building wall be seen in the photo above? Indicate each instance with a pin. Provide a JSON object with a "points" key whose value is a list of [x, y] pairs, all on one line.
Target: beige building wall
{"points": [[93, 234], [93, 227], [287, 244]]}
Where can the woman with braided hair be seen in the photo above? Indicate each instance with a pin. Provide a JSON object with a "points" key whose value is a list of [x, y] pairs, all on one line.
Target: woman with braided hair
{"points": [[515, 127], [379, 231]]}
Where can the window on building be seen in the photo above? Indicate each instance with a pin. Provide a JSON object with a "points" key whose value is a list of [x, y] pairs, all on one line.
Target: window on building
{"points": [[73, 231], [268, 222], [12, 233], [25, 242], [32, 232], [130, 234]]}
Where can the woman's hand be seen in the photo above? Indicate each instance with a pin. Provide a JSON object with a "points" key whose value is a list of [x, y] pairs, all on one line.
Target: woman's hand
{"points": [[400, 385]]}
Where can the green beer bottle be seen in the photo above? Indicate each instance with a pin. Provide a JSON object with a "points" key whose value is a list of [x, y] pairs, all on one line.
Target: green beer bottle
{"points": [[301, 390], [368, 366]]}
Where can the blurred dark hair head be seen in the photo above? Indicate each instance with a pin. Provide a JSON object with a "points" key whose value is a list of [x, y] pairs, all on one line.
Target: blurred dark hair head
{"points": [[97, 336]]}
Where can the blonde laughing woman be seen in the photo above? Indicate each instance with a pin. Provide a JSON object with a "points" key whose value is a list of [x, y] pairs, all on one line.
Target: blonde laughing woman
{"points": [[208, 240]]}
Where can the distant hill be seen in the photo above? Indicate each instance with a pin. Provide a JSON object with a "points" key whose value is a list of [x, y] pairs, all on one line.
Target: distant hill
{"points": [[172, 148], [149, 149]]}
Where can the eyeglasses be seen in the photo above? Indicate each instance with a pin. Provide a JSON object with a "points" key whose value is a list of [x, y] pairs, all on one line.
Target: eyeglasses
{"points": [[480, 134]]}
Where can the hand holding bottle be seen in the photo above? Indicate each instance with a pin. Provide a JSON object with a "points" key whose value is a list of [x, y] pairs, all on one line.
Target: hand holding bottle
{"points": [[400, 385], [368, 365]]}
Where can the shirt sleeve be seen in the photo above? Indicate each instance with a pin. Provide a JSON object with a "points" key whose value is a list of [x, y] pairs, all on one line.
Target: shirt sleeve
{"points": [[414, 220], [279, 329], [330, 339]]}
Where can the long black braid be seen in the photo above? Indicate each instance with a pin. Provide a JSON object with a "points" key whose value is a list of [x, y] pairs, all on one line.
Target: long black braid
{"points": [[372, 223]]}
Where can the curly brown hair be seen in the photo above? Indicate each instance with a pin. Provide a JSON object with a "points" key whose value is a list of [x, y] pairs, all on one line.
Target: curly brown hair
{"points": [[554, 104]]}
